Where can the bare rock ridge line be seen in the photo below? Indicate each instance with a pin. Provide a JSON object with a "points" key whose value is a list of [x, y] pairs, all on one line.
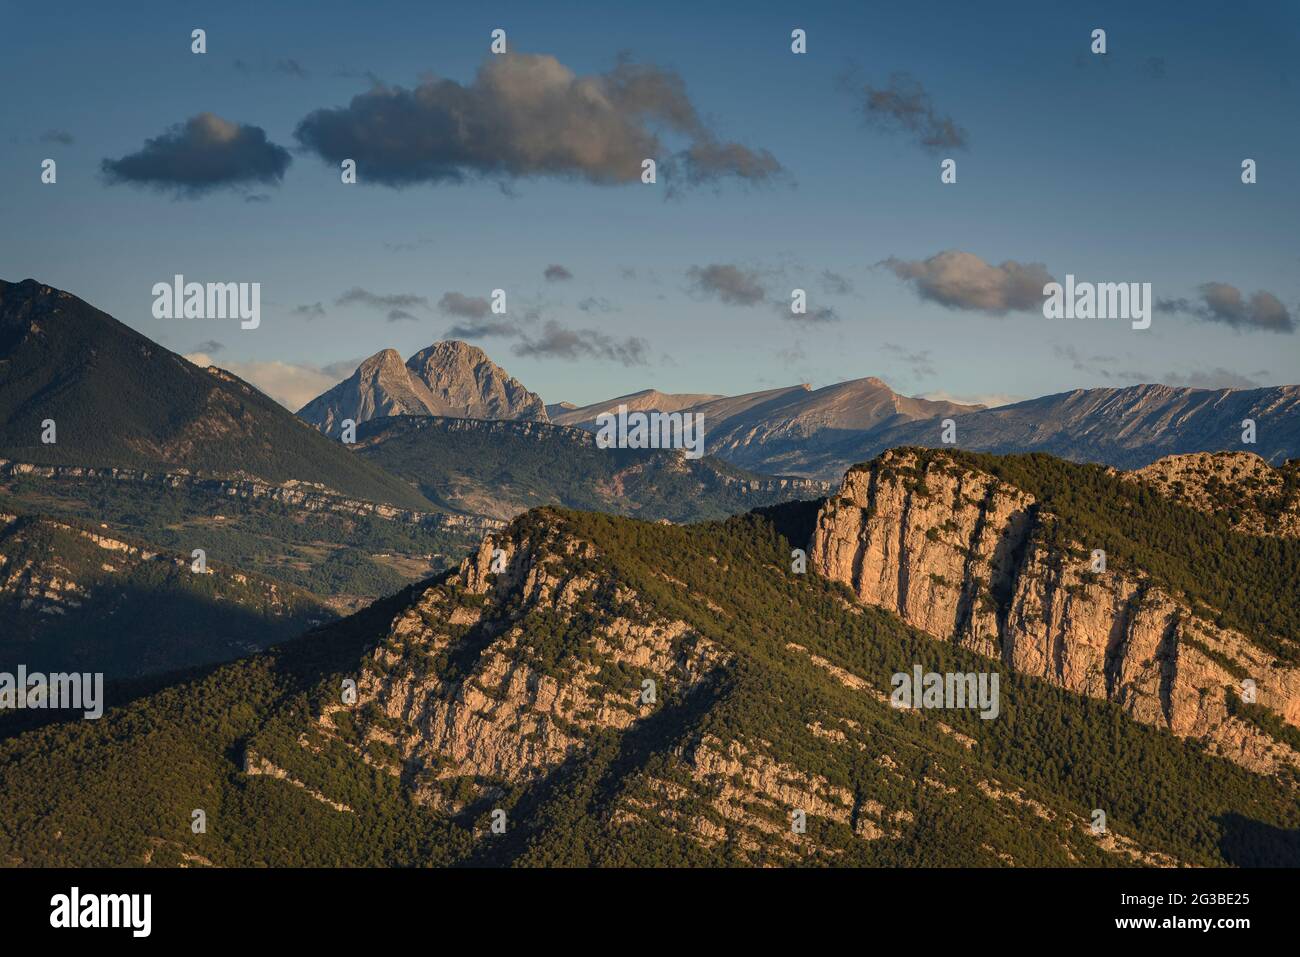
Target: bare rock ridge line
{"points": [[384, 430], [448, 378], [955, 552]]}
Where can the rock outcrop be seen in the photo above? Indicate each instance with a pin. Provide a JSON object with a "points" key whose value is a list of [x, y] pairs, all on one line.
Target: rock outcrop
{"points": [[514, 714], [532, 660], [308, 496], [961, 555], [1256, 497]]}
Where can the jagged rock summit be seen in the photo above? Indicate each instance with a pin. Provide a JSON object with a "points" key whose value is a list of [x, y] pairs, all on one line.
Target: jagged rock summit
{"points": [[449, 378]]}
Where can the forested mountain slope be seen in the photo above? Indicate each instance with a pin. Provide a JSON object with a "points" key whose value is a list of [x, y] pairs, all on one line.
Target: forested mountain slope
{"points": [[513, 690]]}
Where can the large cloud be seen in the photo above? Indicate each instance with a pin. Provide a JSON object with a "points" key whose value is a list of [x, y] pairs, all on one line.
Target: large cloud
{"points": [[1221, 302], [905, 107], [528, 115], [202, 154], [961, 280]]}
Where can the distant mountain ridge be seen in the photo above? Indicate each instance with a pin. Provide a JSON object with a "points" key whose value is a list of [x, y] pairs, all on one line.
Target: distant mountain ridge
{"points": [[781, 430], [449, 378], [819, 433], [1125, 428], [119, 399], [647, 400]]}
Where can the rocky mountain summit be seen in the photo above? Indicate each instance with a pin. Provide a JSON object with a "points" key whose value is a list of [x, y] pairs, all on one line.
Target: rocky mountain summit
{"points": [[449, 378], [1254, 496], [543, 664]]}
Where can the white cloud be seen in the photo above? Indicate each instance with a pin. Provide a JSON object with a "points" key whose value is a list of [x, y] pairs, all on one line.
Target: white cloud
{"points": [[990, 399], [293, 385]]}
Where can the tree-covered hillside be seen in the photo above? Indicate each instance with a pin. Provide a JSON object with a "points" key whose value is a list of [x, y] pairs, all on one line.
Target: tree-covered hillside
{"points": [[771, 690], [503, 468], [74, 598]]}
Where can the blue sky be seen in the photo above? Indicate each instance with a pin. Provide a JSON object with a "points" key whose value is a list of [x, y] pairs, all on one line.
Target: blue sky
{"points": [[1122, 167]]}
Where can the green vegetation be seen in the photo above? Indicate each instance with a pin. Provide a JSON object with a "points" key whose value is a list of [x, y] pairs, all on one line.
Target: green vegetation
{"points": [[117, 790], [71, 605], [1238, 580], [327, 553], [509, 467]]}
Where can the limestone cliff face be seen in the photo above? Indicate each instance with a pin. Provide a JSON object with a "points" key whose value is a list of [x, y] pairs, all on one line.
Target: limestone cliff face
{"points": [[514, 714], [513, 678], [961, 555]]}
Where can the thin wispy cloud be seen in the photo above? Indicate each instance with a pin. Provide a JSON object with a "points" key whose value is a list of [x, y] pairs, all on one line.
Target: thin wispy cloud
{"points": [[903, 107], [728, 283], [920, 362], [557, 342], [285, 66], [313, 310], [488, 329], [834, 284], [596, 304], [385, 301]]}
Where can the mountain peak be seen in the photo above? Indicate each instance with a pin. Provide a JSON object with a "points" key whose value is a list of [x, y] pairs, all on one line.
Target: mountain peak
{"points": [[122, 400], [453, 348], [448, 378], [383, 357]]}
